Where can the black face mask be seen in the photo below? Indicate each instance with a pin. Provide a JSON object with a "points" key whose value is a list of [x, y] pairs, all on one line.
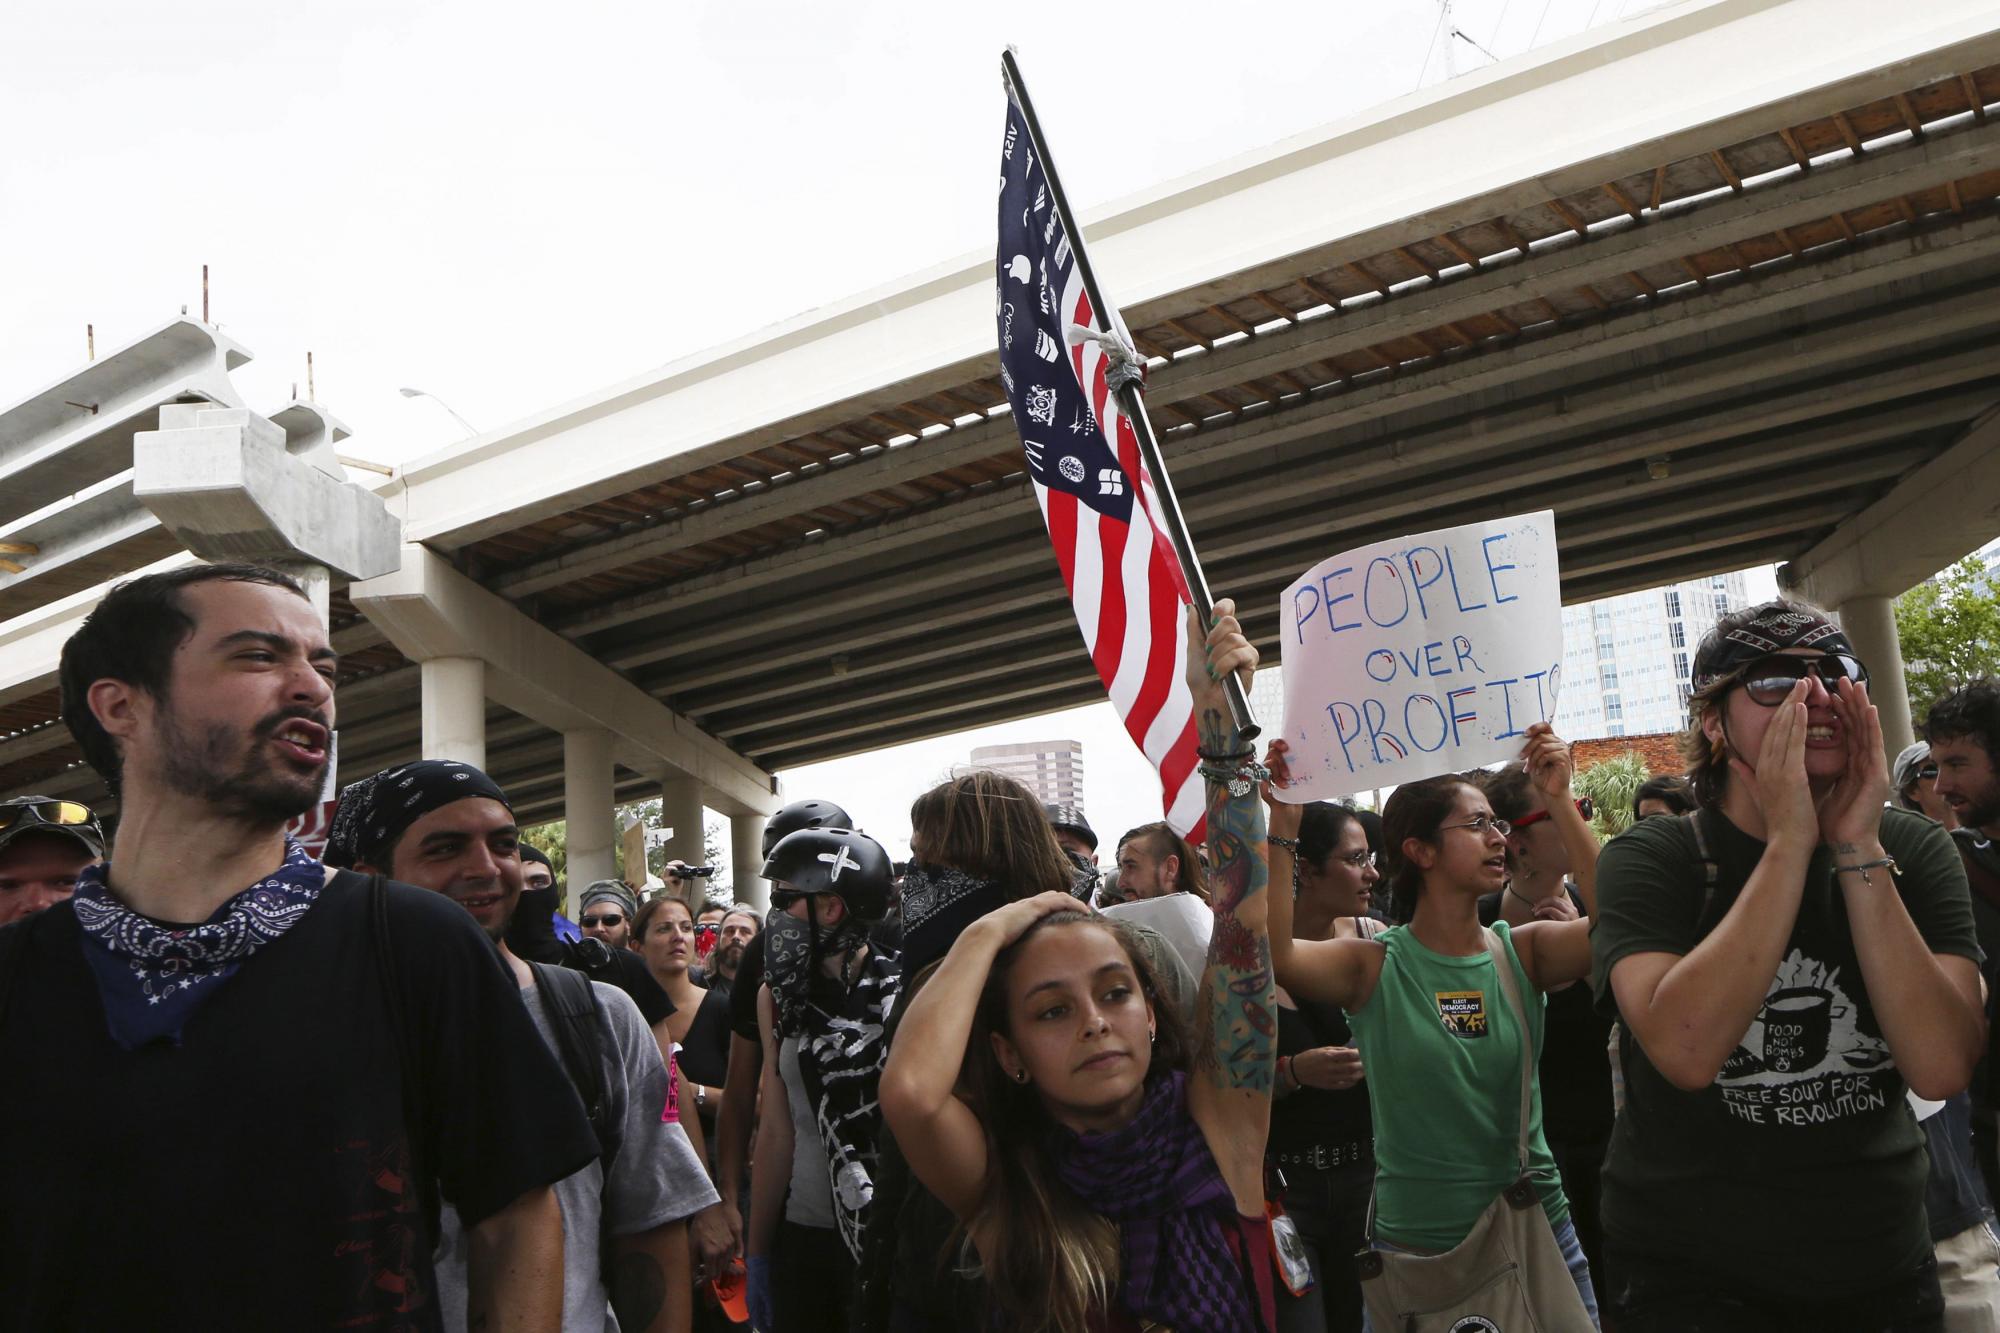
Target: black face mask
{"points": [[532, 932], [1083, 887], [792, 953]]}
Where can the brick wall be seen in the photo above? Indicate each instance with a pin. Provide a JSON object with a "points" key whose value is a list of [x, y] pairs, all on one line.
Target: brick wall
{"points": [[1658, 749]]}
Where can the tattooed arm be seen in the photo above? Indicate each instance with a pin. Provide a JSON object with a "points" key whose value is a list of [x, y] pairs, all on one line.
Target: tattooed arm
{"points": [[1236, 1012], [652, 1280]]}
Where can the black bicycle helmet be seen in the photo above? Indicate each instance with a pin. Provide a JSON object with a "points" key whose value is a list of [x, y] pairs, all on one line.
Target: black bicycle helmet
{"points": [[801, 815], [850, 865]]}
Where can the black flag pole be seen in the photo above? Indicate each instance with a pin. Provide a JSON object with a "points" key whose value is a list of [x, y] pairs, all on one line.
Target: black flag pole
{"points": [[1131, 395]]}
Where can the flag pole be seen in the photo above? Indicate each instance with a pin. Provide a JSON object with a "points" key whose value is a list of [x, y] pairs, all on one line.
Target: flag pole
{"points": [[1131, 397]]}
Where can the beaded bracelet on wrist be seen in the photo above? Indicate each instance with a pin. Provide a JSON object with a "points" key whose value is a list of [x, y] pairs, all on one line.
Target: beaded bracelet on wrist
{"points": [[1240, 780]]}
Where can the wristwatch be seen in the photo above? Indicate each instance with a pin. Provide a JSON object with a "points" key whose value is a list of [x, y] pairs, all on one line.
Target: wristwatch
{"points": [[700, 1097]]}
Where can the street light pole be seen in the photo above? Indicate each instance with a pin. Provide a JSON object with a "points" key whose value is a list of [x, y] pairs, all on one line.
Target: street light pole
{"points": [[425, 393]]}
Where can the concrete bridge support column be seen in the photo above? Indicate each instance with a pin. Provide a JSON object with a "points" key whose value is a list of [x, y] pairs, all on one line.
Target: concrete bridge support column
{"points": [[1870, 623], [454, 709], [746, 860], [680, 810], [588, 808]]}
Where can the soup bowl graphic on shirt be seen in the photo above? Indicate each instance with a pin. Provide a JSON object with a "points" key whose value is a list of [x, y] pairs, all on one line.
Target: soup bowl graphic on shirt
{"points": [[1810, 1056]]}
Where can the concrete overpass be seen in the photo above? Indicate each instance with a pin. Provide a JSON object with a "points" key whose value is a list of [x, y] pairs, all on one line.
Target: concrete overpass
{"points": [[1721, 285]]}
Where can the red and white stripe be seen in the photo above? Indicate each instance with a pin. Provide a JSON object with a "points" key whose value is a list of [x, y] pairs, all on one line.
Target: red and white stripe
{"points": [[1130, 597]]}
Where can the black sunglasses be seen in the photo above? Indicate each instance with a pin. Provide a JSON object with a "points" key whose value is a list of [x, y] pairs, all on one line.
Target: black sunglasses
{"points": [[611, 920], [1928, 773], [1769, 679]]}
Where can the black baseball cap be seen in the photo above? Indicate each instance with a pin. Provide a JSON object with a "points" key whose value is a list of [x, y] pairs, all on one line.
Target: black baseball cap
{"points": [[23, 815], [1070, 819]]}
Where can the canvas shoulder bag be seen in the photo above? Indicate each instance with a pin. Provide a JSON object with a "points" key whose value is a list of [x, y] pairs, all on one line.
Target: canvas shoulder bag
{"points": [[1508, 1274]]}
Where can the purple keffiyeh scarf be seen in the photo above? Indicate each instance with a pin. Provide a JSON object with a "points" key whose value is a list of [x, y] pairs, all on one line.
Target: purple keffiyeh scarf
{"points": [[1158, 1182], [153, 977]]}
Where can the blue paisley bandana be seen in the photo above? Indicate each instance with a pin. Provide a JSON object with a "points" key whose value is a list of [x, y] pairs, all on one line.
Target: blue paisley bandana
{"points": [[153, 977]]}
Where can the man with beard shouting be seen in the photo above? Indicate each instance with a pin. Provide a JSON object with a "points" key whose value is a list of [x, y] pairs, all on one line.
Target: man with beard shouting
{"points": [[213, 1025]]}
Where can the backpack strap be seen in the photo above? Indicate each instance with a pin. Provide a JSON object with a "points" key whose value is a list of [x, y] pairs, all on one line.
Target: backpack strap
{"points": [[1510, 987], [1711, 872], [416, 1117], [1981, 880], [573, 1015]]}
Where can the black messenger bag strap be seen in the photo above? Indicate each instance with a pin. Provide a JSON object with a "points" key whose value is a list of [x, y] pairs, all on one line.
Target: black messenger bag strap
{"points": [[572, 1009]]}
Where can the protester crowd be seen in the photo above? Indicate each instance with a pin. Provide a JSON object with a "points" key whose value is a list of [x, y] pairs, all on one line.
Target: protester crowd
{"points": [[1458, 1068]]}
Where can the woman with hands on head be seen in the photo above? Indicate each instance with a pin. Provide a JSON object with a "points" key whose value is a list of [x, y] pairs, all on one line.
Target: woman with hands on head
{"points": [[1107, 1163], [1440, 1044], [1785, 961]]}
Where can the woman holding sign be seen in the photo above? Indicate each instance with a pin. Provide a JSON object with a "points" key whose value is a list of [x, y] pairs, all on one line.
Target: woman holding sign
{"points": [[1441, 1031]]}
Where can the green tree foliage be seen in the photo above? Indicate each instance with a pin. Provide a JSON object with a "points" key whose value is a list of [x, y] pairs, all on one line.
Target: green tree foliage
{"points": [[1949, 629], [553, 840], [1611, 784]]}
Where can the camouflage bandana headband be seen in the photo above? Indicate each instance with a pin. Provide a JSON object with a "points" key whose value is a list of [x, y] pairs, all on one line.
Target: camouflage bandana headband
{"points": [[1773, 630]]}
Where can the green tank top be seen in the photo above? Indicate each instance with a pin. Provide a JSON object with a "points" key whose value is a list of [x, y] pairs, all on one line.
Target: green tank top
{"points": [[1442, 1054]]}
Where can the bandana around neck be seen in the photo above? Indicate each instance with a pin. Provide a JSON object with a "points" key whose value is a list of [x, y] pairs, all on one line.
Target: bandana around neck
{"points": [[153, 977], [1156, 1180]]}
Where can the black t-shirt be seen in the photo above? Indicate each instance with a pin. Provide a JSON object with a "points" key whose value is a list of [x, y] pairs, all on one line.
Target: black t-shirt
{"points": [[1799, 1171], [627, 971], [743, 994], [1575, 1070], [532, 937], [704, 1054], [1315, 1117], [259, 1175]]}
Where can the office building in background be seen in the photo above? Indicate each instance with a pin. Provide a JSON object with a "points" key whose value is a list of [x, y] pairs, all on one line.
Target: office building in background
{"points": [[1053, 770], [1626, 659]]}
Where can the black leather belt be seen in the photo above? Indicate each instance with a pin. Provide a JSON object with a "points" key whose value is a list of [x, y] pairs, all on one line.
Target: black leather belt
{"points": [[1328, 1156]]}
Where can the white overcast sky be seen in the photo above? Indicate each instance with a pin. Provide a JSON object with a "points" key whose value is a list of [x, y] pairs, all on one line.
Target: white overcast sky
{"points": [[510, 205]]}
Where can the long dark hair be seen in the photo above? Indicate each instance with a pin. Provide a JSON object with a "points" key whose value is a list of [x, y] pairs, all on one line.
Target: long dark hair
{"points": [[1511, 793], [1414, 810], [1051, 1264], [1321, 826]]}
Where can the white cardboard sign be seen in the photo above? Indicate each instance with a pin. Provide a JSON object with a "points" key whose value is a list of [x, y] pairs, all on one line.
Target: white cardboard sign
{"points": [[1423, 655]]}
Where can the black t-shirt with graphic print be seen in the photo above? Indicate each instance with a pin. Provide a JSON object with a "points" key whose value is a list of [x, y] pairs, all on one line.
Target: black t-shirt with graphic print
{"points": [[1800, 1171], [258, 1176]]}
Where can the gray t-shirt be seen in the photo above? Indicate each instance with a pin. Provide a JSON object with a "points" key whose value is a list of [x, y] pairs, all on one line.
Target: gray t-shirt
{"points": [[656, 1178], [809, 1203]]}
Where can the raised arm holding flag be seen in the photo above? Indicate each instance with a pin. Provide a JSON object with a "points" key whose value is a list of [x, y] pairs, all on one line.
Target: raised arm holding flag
{"points": [[1075, 384]]}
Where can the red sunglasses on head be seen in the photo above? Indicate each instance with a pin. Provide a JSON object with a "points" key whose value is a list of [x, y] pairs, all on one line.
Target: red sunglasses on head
{"points": [[1584, 807]]}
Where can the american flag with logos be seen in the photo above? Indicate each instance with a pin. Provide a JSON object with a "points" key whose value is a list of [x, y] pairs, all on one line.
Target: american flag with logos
{"points": [[1097, 499]]}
